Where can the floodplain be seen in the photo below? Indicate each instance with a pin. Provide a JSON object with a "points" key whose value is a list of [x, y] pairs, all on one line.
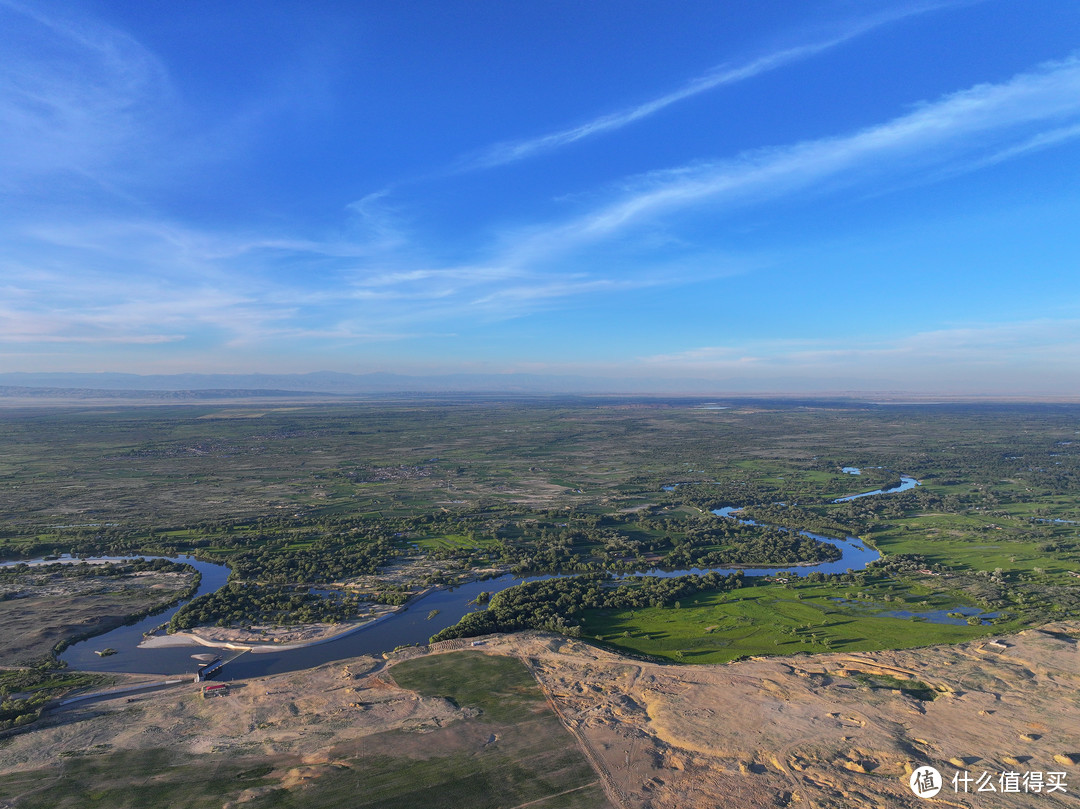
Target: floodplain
{"points": [[326, 513]]}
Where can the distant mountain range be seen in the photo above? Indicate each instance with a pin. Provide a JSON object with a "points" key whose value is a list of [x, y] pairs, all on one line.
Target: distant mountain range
{"points": [[195, 387], [341, 384]]}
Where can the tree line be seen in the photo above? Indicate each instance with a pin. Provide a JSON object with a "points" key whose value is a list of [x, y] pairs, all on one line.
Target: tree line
{"points": [[555, 605]]}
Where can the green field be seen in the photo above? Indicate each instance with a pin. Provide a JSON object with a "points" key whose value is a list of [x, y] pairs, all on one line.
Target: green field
{"points": [[453, 541], [135, 780], [775, 619], [501, 687]]}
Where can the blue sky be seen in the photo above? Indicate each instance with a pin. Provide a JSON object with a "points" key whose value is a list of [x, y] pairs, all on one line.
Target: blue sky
{"points": [[776, 196]]}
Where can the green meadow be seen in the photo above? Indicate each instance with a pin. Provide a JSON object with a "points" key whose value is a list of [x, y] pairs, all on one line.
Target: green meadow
{"points": [[771, 619]]}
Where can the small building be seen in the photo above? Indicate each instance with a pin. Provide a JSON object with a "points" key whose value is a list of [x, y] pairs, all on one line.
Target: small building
{"points": [[208, 670], [215, 690]]}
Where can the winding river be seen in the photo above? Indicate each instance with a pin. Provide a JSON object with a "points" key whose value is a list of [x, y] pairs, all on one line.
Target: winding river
{"points": [[409, 626]]}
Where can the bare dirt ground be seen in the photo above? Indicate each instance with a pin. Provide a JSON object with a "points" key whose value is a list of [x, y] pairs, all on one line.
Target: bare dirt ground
{"points": [[803, 731], [41, 610], [303, 713], [806, 731]]}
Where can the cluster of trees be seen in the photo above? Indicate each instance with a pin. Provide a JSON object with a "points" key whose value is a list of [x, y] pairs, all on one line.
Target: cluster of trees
{"points": [[322, 560], [40, 686], [556, 604], [83, 570], [806, 518], [867, 512], [732, 543], [15, 713], [901, 564], [238, 603], [593, 543]]}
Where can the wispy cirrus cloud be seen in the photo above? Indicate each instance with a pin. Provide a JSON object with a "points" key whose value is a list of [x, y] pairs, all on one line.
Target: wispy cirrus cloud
{"points": [[71, 286], [125, 274], [74, 97], [1036, 143], [390, 292], [960, 132], [136, 321], [505, 152]]}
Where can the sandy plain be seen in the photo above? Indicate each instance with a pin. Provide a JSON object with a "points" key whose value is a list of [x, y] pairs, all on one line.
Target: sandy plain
{"points": [[803, 731], [807, 731]]}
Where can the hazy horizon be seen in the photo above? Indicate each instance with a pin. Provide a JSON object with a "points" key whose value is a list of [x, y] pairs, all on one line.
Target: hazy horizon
{"points": [[47, 386]]}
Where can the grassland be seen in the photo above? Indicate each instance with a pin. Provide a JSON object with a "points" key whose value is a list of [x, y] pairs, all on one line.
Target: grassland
{"points": [[771, 619], [528, 755], [500, 687], [133, 780]]}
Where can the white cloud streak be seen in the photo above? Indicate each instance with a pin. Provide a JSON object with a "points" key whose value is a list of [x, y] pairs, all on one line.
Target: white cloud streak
{"points": [[74, 97], [244, 296], [949, 131], [511, 151]]}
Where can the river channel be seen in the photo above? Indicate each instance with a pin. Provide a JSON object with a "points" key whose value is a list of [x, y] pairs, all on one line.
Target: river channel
{"points": [[409, 626]]}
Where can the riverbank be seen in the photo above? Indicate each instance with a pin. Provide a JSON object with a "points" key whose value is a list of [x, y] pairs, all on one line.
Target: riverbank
{"points": [[262, 639]]}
